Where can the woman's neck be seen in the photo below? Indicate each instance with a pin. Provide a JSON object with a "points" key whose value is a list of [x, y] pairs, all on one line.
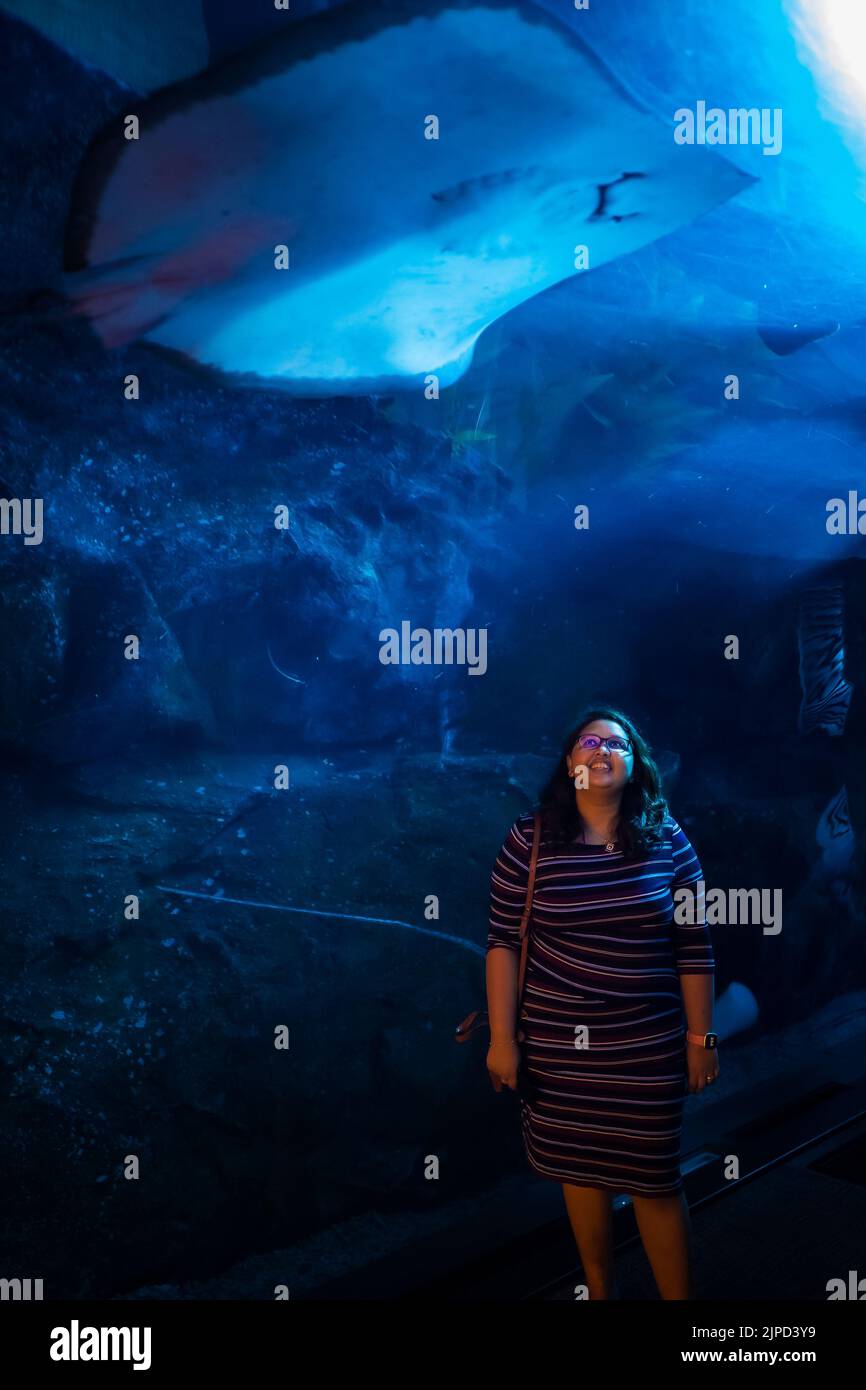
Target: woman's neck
{"points": [[599, 819]]}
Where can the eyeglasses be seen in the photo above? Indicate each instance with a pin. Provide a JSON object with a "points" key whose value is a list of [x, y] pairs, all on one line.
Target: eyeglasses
{"points": [[614, 745]]}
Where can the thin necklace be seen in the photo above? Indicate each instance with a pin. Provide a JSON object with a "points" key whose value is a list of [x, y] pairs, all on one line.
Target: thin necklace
{"points": [[610, 845]]}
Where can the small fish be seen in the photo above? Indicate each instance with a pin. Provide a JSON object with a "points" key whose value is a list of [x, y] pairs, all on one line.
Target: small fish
{"points": [[785, 338]]}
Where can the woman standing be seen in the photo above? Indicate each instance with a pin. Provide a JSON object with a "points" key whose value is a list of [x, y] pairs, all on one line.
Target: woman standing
{"points": [[606, 1056]]}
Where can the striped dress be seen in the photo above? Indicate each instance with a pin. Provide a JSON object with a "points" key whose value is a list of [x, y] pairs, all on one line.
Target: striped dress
{"points": [[602, 1076]]}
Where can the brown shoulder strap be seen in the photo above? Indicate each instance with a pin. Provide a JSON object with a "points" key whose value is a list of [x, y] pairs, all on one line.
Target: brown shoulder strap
{"points": [[524, 922]]}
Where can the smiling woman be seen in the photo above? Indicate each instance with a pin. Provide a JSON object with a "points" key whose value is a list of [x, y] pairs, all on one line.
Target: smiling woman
{"points": [[605, 1059]]}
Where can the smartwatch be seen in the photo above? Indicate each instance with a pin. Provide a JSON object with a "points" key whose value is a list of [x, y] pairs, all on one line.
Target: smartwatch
{"points": [[708, 1040]]}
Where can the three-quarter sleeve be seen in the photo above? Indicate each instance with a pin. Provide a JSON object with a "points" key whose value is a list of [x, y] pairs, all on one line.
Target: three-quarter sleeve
{"points": [[508, 884], [693, 948]]}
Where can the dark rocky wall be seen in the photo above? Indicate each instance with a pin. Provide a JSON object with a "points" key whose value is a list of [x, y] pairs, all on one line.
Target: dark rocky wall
{"points": [[154, 1036]]}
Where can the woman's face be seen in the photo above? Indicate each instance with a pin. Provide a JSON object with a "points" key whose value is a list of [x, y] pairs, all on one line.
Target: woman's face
{"points": [[608, 768]]}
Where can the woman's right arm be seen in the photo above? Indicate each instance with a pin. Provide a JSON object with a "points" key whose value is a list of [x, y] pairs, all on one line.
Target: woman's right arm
{"points": [[502, 971], [508, 884]]}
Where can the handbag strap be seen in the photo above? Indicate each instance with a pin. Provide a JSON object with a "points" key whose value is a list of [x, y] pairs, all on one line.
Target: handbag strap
{"points": [[524, 921]]}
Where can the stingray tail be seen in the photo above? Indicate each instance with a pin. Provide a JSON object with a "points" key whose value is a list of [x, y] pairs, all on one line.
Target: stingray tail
{"points": [[127, 296], [122, 300], [120, 309]]}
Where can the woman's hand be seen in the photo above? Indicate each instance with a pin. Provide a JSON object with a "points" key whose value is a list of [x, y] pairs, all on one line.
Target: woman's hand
{"points": [[503, 1059], [702, 1064]]}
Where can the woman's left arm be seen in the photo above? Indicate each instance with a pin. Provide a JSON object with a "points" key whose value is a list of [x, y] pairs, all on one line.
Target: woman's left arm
{"points": [[702, 1062], [693, 953]]}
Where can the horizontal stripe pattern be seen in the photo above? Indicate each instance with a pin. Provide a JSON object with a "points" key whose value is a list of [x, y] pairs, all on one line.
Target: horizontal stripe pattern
{"points": [[602, 1075]]}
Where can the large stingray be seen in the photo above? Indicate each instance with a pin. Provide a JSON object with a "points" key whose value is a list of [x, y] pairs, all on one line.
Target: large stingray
{"points": [[402, 249]]}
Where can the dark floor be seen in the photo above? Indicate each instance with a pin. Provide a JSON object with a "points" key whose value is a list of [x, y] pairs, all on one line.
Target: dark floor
{"points": [[779, 1236], [792, 1107]]}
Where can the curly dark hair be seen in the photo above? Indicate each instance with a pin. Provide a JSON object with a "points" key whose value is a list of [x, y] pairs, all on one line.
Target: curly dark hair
{"points": [[642, 809]]}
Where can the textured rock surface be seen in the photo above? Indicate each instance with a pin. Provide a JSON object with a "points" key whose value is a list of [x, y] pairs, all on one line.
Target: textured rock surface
{"points": [[154, 1036]]}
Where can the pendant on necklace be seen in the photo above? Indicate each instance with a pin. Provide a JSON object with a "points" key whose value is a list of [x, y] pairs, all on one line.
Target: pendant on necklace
{"points": [[609, 848]]}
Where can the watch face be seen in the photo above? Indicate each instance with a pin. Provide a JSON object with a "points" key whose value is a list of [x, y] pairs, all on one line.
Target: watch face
{"points": [[711, 1040]]}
